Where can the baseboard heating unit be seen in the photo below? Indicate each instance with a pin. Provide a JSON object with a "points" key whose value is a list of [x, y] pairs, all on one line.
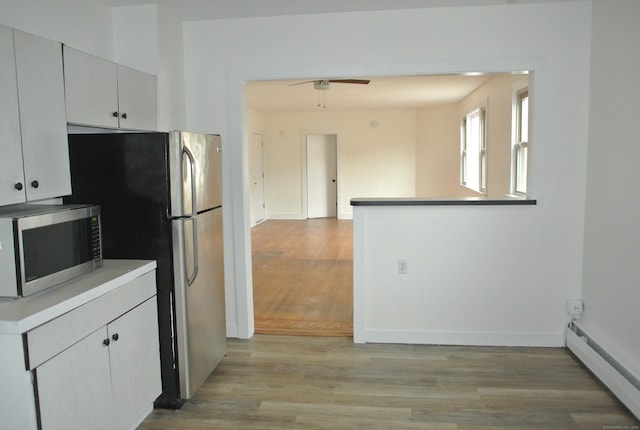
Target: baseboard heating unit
{"points": [[620, 381]]}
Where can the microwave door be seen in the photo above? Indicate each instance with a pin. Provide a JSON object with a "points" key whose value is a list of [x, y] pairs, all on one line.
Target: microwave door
{"points": [[50, 244], [54, 253]]}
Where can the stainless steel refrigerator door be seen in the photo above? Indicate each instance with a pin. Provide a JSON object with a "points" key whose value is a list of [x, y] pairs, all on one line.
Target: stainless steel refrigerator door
{"points": [[195, 168], [200, 314]]}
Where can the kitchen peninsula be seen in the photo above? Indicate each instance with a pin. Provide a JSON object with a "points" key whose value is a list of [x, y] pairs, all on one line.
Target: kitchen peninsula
{"points": [[449, 271]]}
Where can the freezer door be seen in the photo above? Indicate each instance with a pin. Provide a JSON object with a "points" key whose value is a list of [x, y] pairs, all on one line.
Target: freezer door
{"points": [[195, 165], [200, 316]]}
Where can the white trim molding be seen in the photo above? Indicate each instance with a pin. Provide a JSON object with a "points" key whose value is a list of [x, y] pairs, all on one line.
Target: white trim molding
{"points": [[620, 381]]}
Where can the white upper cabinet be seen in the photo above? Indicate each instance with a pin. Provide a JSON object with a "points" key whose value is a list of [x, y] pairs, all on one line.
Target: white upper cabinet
{"points": [[35, 156], [91, 89], [43, 124], [11, 171], [137, 99], [103, 94]]}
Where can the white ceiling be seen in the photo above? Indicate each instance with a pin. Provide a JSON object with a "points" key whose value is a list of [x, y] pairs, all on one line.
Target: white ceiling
{"points": [[380, 93], [193, 10]]}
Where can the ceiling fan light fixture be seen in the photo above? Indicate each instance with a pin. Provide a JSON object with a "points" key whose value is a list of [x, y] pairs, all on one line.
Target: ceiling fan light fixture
{"points": [[322, 99], [321, 85]]}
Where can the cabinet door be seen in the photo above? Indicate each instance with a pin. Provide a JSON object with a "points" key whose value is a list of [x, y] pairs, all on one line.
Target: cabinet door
{"points": [[42, 116], [91, 89], [74, 387], [11, 173], [135, 363], [137, 99]]}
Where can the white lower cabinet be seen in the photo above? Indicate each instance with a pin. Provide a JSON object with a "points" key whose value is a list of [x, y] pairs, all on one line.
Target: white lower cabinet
{"points": [[105, 381], [74, 387], [135, 367], [95, 365]]}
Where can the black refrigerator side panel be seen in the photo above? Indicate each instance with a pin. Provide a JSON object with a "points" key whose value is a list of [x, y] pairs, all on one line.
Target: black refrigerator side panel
{"points": [[127, 175]]}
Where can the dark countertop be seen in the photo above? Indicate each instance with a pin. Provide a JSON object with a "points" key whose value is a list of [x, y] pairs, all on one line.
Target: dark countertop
{"points": [[463, 201]]}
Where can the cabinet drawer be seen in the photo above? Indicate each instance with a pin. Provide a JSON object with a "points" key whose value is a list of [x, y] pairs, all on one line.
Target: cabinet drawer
{"points": [[51, 338]]}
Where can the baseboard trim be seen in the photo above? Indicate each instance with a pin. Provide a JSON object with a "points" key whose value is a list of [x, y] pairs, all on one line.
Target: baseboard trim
{"points": [[286, 216], [621, 383], [232, 330], [460, 338]]}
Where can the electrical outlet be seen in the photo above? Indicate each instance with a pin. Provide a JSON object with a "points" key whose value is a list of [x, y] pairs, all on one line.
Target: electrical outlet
{"points": [[574, 308], [402, 267]]}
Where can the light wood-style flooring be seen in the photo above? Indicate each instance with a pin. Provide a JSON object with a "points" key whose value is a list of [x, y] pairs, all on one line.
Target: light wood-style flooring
{"points": [[303, 277], [290, 382]]}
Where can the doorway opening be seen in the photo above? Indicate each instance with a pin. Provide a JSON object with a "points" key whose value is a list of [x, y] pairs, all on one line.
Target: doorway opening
{"points": [[303, 267], [303, 277]]}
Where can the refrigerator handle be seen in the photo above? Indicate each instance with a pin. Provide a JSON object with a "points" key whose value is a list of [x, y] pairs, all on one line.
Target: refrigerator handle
{"points": [[194, 233], [192, 168], [194, 220]]}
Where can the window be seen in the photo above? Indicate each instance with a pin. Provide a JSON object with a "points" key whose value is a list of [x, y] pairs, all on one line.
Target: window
{"points": [[473, 151], [520, 147]]}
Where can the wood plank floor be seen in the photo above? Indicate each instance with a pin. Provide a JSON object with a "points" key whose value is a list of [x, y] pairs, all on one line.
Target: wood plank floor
{"points": [[303, 277], [290, 382]]}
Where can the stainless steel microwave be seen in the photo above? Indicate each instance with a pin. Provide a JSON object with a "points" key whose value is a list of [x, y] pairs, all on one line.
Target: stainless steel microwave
{"points": [[45, 245]]}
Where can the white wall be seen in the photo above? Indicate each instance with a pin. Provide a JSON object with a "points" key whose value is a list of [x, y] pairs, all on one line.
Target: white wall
{"points": [[611, 287], [438, 152], [82, 24], [220, 55], [256, 121], [171, 95], [135, 37], [477, 275], [372, 161]]}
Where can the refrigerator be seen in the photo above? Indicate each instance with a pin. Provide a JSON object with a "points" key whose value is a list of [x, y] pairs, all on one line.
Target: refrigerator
{"points": [[161, 198]]}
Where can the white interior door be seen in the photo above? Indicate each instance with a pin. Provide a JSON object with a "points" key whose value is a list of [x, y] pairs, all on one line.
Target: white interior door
{"points": [[257, 179], [322, 169]]}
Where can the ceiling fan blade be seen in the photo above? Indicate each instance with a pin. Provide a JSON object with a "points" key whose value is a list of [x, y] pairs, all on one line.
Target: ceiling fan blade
{"points": [[300, 83], [337, 81], [350, 81]]}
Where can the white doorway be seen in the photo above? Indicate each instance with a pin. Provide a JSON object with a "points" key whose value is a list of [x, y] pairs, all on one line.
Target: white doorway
{"points": [[257, 179], [322, 172]]}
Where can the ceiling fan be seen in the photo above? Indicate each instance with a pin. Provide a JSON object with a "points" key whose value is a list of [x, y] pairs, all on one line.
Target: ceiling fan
{"points": [[323, 84]]}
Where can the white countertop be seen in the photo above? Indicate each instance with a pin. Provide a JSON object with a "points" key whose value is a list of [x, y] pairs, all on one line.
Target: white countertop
{"points": [[18, 316]]}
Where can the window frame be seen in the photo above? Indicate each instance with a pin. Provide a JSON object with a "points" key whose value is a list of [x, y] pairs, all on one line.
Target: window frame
{"points": [[481, 111], [518, 144]]}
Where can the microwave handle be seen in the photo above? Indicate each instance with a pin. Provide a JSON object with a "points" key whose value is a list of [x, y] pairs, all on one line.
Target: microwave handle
{"points": [[194, 221]]}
